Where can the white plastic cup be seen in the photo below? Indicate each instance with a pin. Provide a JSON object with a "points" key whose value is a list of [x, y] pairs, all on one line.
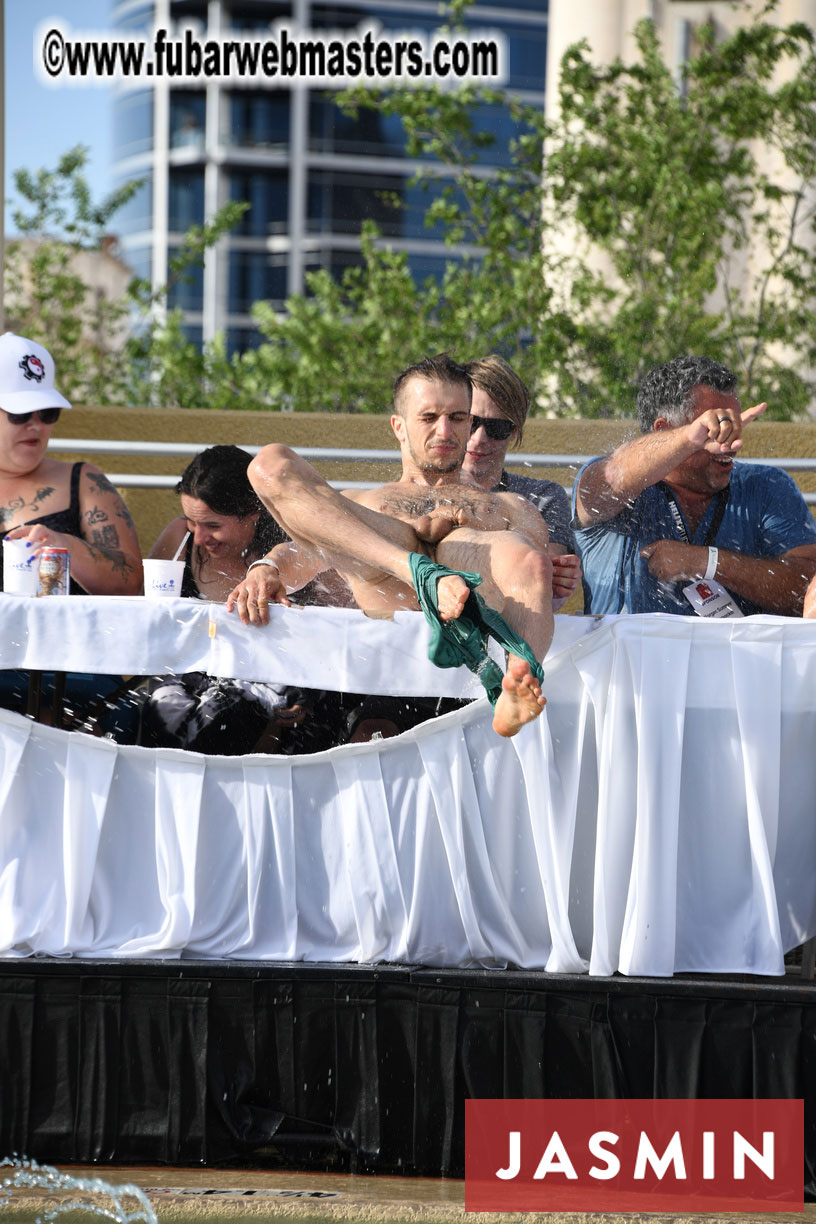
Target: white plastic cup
{"points": [[21, 569], [162, 579]]}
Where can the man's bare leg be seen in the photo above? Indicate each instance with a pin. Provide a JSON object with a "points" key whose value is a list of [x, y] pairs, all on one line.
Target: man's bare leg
{"points": [[517, 583], [350, 536]]}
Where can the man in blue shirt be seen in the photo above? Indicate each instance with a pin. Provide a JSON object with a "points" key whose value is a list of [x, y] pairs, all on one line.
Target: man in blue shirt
{"points": [[671, 507]]}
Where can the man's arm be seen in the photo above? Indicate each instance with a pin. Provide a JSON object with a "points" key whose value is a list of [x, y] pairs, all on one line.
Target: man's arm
{"points": [[566, 574], [286, 567], [607, 486], [775, 584]]}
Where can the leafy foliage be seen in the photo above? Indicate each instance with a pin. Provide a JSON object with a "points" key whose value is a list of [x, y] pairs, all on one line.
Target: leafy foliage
{"points": [[710, 246], [108, 348], [653, 216], [668, 216]]}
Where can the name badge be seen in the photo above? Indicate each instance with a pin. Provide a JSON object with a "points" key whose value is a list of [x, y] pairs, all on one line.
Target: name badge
{"points": [[710, 598]]}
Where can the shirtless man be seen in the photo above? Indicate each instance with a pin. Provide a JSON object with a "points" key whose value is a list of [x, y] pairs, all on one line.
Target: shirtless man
{"points": [[368, 535]]}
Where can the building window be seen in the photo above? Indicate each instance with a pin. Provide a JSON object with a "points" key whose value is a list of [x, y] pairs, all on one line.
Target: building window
{"points": [[527, 55], [185, 199], [258, 17], [139, 261], [137, 214], [193, 334], [255, 276], [133, 124], [429, 267], [339, 203], [369, 133], [267, 193], [331, 261], [187, 291], [138, 20], [188, 117], [259, 120], [242, 339]]}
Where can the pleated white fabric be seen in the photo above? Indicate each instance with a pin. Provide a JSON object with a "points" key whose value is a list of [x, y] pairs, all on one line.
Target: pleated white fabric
{"points": [[659, 816]]}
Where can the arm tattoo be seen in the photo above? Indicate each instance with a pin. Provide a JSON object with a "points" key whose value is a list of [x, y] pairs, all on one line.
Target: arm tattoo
{"points": [[124, 513], [106, 537], [101, 483], [96, 515], [115, 556]]}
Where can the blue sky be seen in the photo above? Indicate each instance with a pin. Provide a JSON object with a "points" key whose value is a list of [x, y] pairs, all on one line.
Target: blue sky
{"points": [[42, 123]]}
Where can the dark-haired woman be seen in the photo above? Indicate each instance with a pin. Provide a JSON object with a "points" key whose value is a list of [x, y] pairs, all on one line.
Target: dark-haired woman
{"points": [[229, 529]]}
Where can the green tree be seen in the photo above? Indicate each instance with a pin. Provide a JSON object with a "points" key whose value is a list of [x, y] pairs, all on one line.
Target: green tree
{"points": [[108, 349], [339, 345], [666, 182], [615, 252], [46, 297]]}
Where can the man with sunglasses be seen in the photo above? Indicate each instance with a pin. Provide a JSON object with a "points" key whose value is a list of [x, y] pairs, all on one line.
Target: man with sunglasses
{"points": [[498, 413], [380, 539]]}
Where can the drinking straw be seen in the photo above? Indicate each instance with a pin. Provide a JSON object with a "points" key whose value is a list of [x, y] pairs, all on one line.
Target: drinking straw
{"points": [[178, 551]]}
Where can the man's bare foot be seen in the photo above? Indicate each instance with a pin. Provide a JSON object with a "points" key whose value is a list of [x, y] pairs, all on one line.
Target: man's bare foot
{"points": [[451, 596], [521, 699]]}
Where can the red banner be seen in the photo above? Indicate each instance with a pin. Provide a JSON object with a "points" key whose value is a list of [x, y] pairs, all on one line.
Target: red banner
{"points": [[634, 1155]]}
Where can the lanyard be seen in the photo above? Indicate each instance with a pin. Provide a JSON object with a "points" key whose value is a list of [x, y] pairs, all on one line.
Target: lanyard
{"points": [[714, 525]]}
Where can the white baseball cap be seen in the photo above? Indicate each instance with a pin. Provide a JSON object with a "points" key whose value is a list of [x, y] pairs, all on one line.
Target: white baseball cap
{"points": [[27, 376]]}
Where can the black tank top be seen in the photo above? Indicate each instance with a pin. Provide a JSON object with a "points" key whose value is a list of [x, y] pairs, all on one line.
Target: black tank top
{"points": [[66, 520], [189, 589]]}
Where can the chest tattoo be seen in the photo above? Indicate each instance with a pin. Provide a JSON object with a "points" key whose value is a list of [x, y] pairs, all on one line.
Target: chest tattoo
{"points": [[12, 509]]}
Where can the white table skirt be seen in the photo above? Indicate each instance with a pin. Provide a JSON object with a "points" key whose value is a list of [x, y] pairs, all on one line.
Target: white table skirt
{"points": [[658, 817], [348, 652]]}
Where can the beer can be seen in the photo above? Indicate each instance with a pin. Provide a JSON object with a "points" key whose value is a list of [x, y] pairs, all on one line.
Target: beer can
{"points": [[55, 571]]}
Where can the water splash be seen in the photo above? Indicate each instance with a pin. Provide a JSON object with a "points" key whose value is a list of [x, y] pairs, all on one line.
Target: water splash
{"points": [[92, 1196]]}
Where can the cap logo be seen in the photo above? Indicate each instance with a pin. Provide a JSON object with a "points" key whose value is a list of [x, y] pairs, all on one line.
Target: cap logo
{"points": [[32, 368]]}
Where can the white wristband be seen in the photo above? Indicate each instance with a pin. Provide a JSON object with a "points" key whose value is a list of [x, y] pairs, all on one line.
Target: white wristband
{"points": [[264, 561], [711, 568]]}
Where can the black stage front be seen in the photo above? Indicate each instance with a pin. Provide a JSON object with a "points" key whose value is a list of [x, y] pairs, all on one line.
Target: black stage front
{"points": [[362, 1068]]}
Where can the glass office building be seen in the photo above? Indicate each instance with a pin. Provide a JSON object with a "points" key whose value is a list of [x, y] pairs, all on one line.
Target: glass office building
{"points": [[311, 174]]}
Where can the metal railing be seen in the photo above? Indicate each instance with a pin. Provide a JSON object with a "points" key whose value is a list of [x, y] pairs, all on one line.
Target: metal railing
{"points": [[328, 454]]}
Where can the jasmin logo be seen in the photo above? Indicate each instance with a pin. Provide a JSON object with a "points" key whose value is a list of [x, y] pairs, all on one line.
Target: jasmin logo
{"points": [[634, 1155]]}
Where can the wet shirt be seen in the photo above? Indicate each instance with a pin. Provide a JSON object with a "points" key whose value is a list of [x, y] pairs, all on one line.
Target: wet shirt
{"points": [[550, 500], [765, 515]]}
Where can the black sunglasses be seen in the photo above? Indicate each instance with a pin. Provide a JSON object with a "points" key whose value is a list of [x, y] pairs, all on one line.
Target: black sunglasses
{"points": [[48, 416], [497, 428]]}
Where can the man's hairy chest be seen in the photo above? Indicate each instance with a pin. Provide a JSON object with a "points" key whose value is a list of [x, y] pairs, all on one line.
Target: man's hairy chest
{"points": [[461, 503]]}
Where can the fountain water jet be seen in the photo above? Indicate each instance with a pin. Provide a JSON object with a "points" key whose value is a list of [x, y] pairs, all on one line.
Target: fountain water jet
{"points": [[100, 1198]]}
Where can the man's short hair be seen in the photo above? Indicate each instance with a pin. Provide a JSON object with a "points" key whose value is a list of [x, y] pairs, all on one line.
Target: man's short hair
{"points": [[668, 390], [498, 379], [441, 368]]}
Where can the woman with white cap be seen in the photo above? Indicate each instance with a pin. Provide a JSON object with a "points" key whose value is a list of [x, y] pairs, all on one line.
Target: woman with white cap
{"points": [[51, 504]]}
